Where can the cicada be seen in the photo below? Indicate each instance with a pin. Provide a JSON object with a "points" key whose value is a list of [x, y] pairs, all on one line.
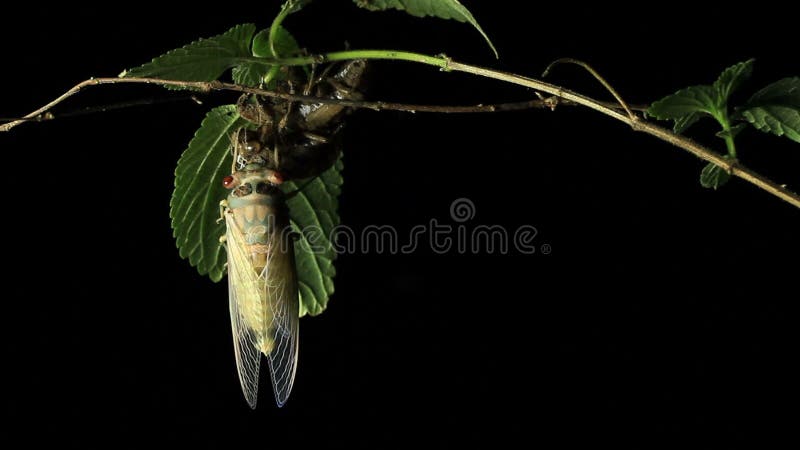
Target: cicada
{"points": [[262, 280], [286, 141]]}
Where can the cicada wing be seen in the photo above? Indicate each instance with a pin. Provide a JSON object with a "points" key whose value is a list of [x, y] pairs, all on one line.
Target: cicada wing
{"points": [[246, 303], [282, 314]]}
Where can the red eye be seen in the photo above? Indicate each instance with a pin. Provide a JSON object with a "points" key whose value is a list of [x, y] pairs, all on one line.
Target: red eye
{"points": [[276, 178], [228, 182]]}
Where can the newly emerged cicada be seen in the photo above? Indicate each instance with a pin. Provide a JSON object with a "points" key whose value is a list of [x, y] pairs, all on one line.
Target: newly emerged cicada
{"points": [[287, 141]]}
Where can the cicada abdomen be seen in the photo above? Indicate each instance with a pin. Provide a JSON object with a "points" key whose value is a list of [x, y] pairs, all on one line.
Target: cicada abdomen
{"points": [[262, 280]]}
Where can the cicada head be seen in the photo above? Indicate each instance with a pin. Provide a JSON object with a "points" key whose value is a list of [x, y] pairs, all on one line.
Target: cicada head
{"points": [[262, 182]]}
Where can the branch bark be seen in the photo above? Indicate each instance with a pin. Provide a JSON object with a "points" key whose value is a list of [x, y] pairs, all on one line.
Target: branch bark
{"points": [[564, 96]]}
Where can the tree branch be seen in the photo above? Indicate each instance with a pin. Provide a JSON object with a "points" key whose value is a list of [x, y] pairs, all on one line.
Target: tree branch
{"points": [[563, 96], [43, 114]]}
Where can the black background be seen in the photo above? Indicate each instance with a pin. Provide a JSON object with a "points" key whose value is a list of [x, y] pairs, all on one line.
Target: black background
{"points": [[665, 312]]}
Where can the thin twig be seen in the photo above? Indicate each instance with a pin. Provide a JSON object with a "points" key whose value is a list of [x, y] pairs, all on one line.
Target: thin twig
{"points": [[596, 75], [40, 118], [732, 167], [44, 113], [102, 108]]}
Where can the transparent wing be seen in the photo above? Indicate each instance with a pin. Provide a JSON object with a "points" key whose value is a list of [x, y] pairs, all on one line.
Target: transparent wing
{"points": [[281, 314], [246, 303]]}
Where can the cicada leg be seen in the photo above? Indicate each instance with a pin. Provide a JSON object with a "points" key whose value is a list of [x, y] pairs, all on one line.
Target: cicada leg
{"points": [[318, 138], [223, 206]]}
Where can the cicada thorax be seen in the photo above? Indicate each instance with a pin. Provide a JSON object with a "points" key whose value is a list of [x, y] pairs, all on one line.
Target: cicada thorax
{"points": [[259, 210]]}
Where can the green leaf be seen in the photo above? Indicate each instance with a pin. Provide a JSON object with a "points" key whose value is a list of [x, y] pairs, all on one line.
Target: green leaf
{"points": [[314, 215], [689, 105], [285, 44], [713, 176], [731, 78], [194, 208], [694, 99], [251, 73], [443, 9], [202, 60], [776, 109], [685, 122], [272, 39]]}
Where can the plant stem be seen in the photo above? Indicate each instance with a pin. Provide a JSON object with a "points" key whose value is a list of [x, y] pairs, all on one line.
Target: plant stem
{"points": [[276, 23], [730, 144], [728, 136], [286, 9], [348, 55]]}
